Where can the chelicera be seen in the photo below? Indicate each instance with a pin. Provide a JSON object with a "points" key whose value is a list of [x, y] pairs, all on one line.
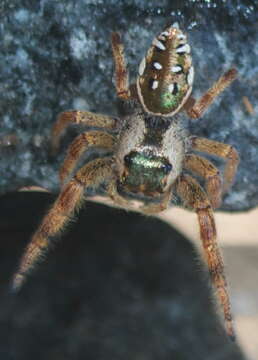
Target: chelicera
{"points": [[149, 152]]}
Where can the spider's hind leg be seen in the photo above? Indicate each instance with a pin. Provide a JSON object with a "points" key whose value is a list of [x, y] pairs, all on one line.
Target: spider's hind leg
{"points": [[70, 198], [121, 73], [194, 197]]}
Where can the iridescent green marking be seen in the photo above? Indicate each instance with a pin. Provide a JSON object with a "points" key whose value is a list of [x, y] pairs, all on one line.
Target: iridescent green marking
{"points": [[145, 170], [170, 101], [181, 61], [146, 162]]}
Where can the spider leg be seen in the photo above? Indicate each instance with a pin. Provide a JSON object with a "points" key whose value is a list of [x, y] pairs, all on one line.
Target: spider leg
{"points": [[210, 173], [194, 197], [82, 143], [158, 207], [131, 204], [195, 109], [79, 117], [121, 73], [70, 199], [117, 198], [222, 150]]}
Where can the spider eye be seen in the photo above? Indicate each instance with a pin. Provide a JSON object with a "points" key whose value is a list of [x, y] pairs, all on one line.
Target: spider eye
{"points": [[127, 159], [167, 168]]}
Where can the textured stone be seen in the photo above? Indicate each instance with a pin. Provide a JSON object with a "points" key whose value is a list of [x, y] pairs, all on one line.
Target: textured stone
{"points": [[56, 56]]}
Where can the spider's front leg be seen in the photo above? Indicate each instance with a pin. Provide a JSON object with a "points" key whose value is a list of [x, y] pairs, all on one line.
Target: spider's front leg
{"points": [[80, 117], [162, 205], [195, 109], [194, 197], [147, 209], [82, 143], [70, 198], [117, 198]]}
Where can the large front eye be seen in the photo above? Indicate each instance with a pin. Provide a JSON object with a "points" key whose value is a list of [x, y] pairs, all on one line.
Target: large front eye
{"points": [[127, 159], [167, 168]]}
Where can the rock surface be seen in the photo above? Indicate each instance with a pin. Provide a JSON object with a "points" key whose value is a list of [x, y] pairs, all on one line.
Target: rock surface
{"points": [[56, 56]]}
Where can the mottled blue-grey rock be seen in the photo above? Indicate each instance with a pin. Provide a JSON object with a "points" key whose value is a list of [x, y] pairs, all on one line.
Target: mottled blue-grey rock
{"points": [[56, 56]]}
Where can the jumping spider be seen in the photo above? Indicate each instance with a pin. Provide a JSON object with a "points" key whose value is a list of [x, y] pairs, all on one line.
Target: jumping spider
{"points": [[151, 151]]}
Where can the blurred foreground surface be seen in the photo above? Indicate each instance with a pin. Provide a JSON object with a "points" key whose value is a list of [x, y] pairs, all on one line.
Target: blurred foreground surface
{"points": [[119, 286]]}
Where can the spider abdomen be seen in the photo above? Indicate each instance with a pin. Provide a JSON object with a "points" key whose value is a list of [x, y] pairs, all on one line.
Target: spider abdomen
{"points": [[166, 73]]}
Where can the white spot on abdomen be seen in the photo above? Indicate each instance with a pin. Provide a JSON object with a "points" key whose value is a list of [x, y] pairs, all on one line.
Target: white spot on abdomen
{"points": [[157, 65], [183, 49], [176, 69], [155, 84], [181, 36], [171, 88], [158, 44]]}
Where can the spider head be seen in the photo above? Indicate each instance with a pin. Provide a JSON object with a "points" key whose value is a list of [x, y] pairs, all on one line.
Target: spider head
{"points": [[145, 173], [166, 74]]}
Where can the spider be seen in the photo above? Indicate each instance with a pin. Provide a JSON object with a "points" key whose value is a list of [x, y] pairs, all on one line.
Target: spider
{"points": [[149, 152]]}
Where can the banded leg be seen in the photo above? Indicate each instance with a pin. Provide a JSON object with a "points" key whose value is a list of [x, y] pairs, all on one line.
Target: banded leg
{"points": [[82, 143], [79, 117], [210, 173], [121, 73], [222, 150], [70, 198], [195, 109], [194, 197]]}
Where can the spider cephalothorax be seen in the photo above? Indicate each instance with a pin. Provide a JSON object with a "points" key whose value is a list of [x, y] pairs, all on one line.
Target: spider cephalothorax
{"points": [[149, 152]]}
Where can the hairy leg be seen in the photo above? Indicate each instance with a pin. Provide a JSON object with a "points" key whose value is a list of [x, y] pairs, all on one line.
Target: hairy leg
{"points": [[195, 109], [194, 197], [158, 207], [210, 173], [222, 150], [82, 143], [137, 205], [117, 198], [70, 198], [79, 117], [121, 73]]}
